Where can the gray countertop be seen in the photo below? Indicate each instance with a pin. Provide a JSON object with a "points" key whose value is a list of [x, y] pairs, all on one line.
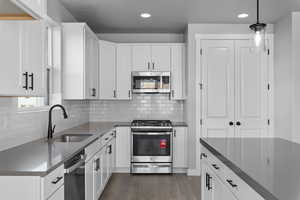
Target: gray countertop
{"points": [[40, 157], [269, 165]]}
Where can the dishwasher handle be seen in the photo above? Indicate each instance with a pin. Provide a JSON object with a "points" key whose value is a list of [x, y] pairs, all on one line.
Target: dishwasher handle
{"points": [[76, 165]]}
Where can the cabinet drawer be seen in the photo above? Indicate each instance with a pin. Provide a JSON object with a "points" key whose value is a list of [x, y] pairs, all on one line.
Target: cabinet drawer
{"points": [[53, 181], [58, 195], [92, 149]]}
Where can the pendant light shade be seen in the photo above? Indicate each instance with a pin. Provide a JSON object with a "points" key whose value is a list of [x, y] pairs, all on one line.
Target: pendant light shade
{"points": [[259, 30]]}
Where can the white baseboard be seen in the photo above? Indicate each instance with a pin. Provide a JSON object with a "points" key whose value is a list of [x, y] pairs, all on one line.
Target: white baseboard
{"points": [[127, 170], [180, 170], [193, 172]]}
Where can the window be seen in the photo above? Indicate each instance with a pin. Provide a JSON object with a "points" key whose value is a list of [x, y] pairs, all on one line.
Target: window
{"points": [[33, 102]]}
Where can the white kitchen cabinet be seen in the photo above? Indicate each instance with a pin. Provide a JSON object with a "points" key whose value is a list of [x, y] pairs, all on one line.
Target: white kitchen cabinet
{"points": [[89, 180], [123, 149], [22, 45], [178, 54], [36, 8], [107, 70], [59, 194], [80, 62], [234, 89], [98, 174], [123, 71], [180, 147], [141, 55], [151, 57], [161, 57]]}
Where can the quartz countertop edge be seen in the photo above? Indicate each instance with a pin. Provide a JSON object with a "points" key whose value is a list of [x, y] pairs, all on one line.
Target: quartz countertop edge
{"points": [[41, 157], [244, 176]]}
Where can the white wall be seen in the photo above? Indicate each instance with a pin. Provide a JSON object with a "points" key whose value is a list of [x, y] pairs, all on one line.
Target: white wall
{"points": [[142, 37], [20, 127], [287, 77], [193, 83]]}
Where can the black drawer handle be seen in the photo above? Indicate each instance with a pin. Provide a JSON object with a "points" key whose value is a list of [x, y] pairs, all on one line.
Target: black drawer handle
{"points": [[57, 180], [216, 166], [231, 183], [204, 155], [26, 80], [32, 81]]}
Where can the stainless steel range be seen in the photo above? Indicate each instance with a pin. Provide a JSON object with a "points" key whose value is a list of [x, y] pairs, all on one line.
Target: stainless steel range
{"points": [[151, 147]]}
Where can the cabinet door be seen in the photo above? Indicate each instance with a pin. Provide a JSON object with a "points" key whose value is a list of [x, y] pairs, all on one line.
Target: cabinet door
{"points": [[104, 171], [206, 182], [251, 90], [219, 190], [107, 74], [161, 58], [91, 65], [180, 147], [97, 175], [124, 65], [141, 57], [89, 180], [218, 88], [11, 78], [123, 148], [59, 194], [178, 72], [33, 56]]}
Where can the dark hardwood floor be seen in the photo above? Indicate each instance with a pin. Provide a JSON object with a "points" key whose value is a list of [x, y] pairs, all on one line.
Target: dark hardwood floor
{"points": [[152, 187]]}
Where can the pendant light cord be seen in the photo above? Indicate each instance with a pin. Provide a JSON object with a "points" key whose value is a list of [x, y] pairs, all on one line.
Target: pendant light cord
{"points": [[257, 11]]}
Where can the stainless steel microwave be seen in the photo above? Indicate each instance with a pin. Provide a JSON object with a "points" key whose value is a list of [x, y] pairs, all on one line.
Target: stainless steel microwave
{"points": [[151, 82]]}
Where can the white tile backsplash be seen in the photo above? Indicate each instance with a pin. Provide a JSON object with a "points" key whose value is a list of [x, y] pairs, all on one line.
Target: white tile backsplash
{"points": [[142, 106], [20, 127]]}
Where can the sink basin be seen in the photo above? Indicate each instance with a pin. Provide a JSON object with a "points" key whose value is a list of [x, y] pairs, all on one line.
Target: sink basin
{"points": [[72, 137]]}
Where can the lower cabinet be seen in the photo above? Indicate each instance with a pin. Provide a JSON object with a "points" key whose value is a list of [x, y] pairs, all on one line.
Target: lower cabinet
{"points": [[123, 135], [180, 147], [59, 194], [99, 168]]}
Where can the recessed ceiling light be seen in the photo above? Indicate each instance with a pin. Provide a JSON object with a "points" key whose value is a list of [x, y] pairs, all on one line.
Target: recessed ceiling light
{"points": [[243, 15], [145, 15]]}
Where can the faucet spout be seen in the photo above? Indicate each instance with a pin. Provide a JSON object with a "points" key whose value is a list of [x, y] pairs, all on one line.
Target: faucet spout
{"points": [[50, 127]]}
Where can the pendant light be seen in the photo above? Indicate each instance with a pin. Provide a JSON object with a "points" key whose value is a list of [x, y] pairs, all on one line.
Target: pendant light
{"points": [[259, 30]]}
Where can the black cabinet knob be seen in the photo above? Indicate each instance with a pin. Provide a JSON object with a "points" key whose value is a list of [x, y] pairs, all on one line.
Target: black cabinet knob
{"points": [[231, 123], [238, 123]]}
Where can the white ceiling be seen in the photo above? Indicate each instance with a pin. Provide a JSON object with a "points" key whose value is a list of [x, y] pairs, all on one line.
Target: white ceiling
{"points": [[172, 15]]}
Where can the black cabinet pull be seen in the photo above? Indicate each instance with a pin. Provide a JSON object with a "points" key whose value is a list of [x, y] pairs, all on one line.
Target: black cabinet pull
{"points": [[110, 149], [32, 81], [216, 166], [153, 65], [231, 123], [26, 80], [231, 183], [203, 155], [208, 182], [57, 180], [238, 123], [97, 162], [94, 92]]}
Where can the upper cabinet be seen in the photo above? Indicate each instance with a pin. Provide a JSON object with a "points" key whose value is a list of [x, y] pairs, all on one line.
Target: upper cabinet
{"points": [[148, 57], [22, 45], [80, 61], [178, 60], [107, 70]]}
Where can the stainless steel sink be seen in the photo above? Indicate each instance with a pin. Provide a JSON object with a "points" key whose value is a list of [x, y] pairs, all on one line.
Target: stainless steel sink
{"points": [[72, 137]]}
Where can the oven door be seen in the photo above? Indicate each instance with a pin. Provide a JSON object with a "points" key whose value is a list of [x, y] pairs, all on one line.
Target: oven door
{"points": [[151, 147]]}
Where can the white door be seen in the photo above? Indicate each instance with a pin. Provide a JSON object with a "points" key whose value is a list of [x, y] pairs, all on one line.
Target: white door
{"points": [[141, 57], [178, 71], [180, 147], [91, 66], [33, 56], [161, 58], [218, 88], [123, 148], [107, 70], [12, 80], [59, 194], [124, 65], [89, 180], [251, 90]]}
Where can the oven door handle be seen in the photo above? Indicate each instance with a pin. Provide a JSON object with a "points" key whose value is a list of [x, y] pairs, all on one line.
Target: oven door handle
{"points": [[149, 133], [75, 166]]}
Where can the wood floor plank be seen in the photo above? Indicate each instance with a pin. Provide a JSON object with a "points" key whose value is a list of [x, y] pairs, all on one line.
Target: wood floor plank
{"points": [[152, 187]]}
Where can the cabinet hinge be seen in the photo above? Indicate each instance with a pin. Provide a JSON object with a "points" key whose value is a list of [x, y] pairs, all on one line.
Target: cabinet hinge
{"points": [[201, 86], [268, 122], [268, 86], [201, 52]]}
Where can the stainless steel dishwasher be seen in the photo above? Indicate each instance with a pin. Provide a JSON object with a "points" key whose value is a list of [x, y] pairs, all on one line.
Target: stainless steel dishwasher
{"points": [[75, 177]]}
